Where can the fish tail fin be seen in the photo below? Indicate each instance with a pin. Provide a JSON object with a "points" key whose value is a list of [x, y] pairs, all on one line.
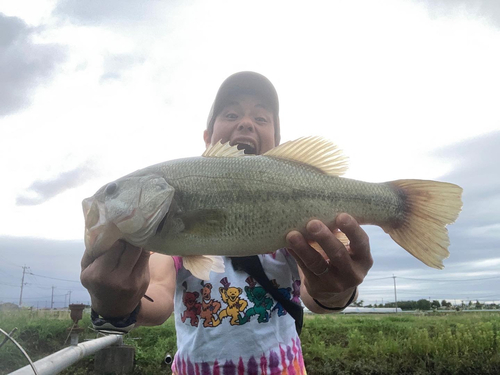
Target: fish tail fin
{"points": [[429, 207], [201, 265]]}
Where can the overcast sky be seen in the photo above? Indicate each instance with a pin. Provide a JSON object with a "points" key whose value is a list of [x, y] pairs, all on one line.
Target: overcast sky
{"points": [[90, 91]]}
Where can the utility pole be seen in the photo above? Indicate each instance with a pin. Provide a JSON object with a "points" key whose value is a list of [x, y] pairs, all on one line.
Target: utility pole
{"points": [[22, 286], [69, 302], [52, 299], [395, 295]]}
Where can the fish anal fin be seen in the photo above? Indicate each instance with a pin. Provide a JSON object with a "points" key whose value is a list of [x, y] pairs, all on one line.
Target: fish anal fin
{"points": [[223, 150], [430, 207], [314, 151], [200, 266]]}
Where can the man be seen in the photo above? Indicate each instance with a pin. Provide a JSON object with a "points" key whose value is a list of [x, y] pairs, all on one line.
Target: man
{"points": [[239, 327]]}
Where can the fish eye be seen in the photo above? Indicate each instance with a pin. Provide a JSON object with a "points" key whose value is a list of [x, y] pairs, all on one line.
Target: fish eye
{"points": [[111, 188]]}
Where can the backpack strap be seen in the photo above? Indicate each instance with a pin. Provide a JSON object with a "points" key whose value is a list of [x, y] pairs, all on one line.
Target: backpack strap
{"points": [[253, 267]]}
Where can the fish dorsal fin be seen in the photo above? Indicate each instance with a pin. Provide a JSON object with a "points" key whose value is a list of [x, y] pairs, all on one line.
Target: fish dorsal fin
{"points": [[314, 151], [220, 150]]}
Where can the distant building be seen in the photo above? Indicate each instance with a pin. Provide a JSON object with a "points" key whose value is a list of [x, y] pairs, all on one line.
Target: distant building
{"points": [[366, 310], [371, 310], [8, 306]]}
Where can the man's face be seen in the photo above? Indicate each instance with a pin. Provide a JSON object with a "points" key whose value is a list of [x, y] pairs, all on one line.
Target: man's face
{"points": [[245, 121]]}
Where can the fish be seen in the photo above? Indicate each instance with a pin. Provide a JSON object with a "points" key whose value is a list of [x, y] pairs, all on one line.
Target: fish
{"points": [[228, 203]]}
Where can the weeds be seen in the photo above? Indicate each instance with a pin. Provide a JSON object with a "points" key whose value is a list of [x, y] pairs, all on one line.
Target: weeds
{"points": [[336, 344]]}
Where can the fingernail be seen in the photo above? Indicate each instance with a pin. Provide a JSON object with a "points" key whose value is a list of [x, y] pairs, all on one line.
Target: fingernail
{"points": [[344, 219], [313, 227], [293, 239]]}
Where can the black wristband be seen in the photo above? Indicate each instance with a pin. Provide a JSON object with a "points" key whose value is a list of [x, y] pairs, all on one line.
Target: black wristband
{"points": [[115, 325], [338, 308]]}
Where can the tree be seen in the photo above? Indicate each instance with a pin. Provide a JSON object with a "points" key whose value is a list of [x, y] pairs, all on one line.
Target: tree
{"points": [[445, 303], [435, 304], [423, 304]]}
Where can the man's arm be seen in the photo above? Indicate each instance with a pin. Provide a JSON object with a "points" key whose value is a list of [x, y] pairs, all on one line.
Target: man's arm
{"points": [[161, 290], [118, 279], [330, 276]]}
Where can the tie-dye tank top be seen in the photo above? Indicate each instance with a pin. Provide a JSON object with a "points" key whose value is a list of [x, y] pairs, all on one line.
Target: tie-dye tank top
{"points": [[231, 325]]}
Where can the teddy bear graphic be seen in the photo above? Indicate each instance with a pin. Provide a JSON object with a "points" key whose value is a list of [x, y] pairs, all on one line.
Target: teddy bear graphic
{"points": [[231, 296], [209, 306], [258, 296], [193, 307], [286, 292]]}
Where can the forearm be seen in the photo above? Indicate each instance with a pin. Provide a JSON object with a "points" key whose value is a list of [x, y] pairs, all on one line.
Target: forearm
{"points": [[161, 291], [158, 310], [337, 300]]}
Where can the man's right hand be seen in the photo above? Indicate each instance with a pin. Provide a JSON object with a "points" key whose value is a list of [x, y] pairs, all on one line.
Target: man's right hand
{"points": [[116, 280]]}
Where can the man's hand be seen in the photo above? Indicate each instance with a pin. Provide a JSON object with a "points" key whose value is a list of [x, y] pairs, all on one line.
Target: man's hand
{"points": [[331, 275], [116, 280]]}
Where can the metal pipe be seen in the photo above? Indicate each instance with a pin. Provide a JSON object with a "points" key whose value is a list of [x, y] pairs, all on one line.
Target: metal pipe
{"points": [[32, 365], [64, 358]]}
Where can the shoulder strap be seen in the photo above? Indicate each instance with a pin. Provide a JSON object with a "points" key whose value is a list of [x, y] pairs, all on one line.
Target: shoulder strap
{"points": [[253, 267]]}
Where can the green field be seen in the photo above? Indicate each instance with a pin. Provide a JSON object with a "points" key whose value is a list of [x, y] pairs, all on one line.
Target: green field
{"points": [[455, 343]]}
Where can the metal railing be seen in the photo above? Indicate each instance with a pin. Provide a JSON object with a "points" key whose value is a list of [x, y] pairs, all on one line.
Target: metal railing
{"points": [[64, 358]]}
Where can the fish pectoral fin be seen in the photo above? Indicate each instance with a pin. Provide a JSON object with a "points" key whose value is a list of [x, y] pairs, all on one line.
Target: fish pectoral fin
{"points": [[316, 152], [201, 265], [203, 222]]}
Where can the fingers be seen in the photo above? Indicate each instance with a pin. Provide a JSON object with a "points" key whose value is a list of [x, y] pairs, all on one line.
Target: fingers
{"points": [[309, 261], [121, 255], [359, 242], [340, 257], [333, 248], [130, 256], [142, 262]]}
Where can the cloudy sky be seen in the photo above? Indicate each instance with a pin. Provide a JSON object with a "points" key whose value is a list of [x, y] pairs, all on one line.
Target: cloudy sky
{"points": [[90, 91]]}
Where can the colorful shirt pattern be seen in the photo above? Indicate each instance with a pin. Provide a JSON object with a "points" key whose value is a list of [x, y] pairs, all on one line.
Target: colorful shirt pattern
{"points": [[231, 325]]}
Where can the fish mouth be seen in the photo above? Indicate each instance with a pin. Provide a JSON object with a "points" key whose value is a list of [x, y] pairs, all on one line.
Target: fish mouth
{"points": [[248, 145]]}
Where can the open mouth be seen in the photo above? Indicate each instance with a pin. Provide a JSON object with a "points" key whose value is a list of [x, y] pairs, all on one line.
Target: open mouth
{"points": [[247, 148]]}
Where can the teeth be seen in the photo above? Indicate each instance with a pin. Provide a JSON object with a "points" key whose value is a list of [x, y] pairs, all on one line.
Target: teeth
{"points": [[247, 143]]}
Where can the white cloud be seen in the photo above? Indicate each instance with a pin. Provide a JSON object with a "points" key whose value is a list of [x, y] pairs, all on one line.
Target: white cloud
{"points": [[384, 80]]}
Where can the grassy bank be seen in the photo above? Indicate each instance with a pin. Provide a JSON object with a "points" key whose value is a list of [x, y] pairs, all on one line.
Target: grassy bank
{"points": [[335, 344]]}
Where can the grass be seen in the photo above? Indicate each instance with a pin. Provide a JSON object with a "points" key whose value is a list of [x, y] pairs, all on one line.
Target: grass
{"points": [[335, 344]]}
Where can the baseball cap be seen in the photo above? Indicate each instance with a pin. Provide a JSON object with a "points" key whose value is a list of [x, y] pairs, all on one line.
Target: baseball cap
{"points": [[244, 82]]}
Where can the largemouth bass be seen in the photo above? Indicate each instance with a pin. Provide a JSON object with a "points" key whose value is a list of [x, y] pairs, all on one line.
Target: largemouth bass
{"points": [[231, 204]]}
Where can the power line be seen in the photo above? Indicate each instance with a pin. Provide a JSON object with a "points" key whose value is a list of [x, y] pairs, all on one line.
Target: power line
{"points": [[453, 280], [54, 278], [380, 278], [12, 264], [17, 286], [8, 274]]}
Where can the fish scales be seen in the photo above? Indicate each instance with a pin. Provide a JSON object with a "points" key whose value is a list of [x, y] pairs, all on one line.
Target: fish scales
{"points": [[260, 200], [227, 204]]}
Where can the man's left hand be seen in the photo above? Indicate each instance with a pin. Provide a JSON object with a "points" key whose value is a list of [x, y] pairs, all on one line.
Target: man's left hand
{"points": [[331, 275]]}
